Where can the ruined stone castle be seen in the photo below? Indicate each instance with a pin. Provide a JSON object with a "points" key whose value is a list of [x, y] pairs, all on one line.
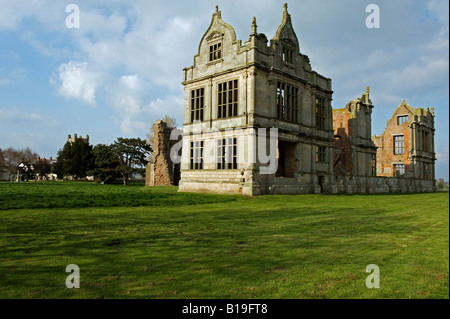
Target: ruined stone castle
{"points": [[234, 90]]}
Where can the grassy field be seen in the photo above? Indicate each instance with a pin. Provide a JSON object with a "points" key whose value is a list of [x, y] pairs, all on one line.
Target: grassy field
{"points": [[137, 242]]}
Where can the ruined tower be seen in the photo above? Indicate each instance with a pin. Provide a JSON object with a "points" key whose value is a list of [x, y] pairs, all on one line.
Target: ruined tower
{"points": [[354, 150]]}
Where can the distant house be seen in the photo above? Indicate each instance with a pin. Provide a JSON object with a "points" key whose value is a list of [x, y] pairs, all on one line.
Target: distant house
{"points": [[39, 170], [25, 171]]}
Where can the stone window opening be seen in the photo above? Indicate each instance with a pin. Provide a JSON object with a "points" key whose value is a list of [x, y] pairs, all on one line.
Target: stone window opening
{"points": [[320, 154], [197, 104], [287, 55], [399, 169], [374, 164], [399, 144], [227, 153], [320, 112], [227, 99], [287, 102], [215, 51], [425, 141], [401, 119], [196, 155]]}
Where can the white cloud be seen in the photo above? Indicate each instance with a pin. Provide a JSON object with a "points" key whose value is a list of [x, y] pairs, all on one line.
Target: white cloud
{"points": [[76, 80], [442, 155], [132, 81], [14, 114], [439, 10], [419, 75], [129, 98], [5, 81]]}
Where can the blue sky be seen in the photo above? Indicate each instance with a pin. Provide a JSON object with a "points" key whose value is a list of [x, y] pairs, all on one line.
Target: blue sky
{"points": [[122, 69]]}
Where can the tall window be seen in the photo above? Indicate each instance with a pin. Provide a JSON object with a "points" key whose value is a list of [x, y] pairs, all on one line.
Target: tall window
{"points": [[227, 105], [215, 51], [399, 169], [402, 119], [197, 104], [287, 102], [399, 144], [320, 112], [426, 171], [320, 154], [196, 155], [227, 153], [287, 55], [374, 164], [425, 141]]}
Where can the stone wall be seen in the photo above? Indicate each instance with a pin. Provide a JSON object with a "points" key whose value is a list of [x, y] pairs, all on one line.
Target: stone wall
{"points": [[162, 172], [380, 185]]}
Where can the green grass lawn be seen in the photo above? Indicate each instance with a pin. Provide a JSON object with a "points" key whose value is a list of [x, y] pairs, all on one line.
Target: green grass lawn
{"points": [[137, 242]]}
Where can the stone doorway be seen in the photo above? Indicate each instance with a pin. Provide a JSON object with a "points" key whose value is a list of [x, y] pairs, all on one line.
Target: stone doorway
{"points": [[322, 184], [287, 162]]}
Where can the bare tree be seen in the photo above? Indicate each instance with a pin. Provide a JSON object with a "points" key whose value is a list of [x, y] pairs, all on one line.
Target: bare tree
{"points": [[12, 158]]}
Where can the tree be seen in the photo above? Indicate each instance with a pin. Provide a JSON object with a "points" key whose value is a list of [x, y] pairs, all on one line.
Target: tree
{"points": [[2, 162], [75, 158], [106, 163], [12, 158], [131, 153], [42, 167], [170, 121]]}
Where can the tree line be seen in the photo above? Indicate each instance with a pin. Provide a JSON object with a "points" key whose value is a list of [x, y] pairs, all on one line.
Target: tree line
{"points": [[78, 159], [105, 162]]}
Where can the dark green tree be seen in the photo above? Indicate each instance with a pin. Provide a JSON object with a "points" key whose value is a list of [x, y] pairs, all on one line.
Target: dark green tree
{"points": [[75, 158], [42, 167], [106, 163], [132, 153]]}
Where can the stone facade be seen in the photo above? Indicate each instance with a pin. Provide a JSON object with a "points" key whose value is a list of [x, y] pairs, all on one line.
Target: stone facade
{"points": [[406, 147], [71, 139], [243, 87], [234, 90], [354, 150]]}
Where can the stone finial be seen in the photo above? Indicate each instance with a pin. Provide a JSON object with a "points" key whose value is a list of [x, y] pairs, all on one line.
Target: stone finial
{"points": [[368, 90], [285, 7], [217, 8], [254, 26]]}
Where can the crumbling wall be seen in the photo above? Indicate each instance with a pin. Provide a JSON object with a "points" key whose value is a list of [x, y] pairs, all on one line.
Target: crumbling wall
{"points": [[163, 171], [343, 155]]}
